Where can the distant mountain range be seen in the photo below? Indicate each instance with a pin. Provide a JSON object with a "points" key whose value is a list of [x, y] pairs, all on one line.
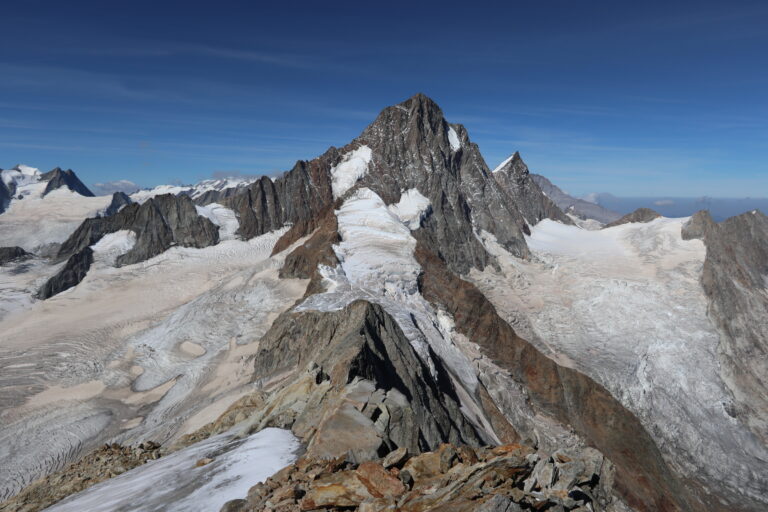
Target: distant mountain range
{"points": [[720, 208]]}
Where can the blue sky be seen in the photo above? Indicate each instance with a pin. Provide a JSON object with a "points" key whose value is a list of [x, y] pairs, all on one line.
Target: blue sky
{"points": [[636, 98]]}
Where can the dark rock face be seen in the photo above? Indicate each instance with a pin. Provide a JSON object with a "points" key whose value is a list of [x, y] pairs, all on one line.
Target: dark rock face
{"points": [[569, 204], [5, 196], [515, 179], [58, 178], [735, 278], [303, 261], [297, 197], [643, 479], [362, 341], [412, 148], [159, 223], [119, 200], [218, 196], [10, 254], [639, 215], [73, 272]]}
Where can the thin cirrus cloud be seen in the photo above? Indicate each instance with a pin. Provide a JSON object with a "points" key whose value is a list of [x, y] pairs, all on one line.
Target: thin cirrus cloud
{"points": [[165, 50]]}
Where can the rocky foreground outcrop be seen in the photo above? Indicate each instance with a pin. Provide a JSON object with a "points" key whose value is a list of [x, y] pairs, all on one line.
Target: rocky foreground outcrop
{"points": [[106, 462], [358, 389], [505, 478]]}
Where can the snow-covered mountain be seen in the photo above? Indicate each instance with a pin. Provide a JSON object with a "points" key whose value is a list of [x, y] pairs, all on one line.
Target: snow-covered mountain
{"points": [[204, 191], [435, 335]]}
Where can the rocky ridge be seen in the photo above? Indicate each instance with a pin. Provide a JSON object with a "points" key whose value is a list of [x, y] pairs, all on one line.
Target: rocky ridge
{"points": [[735, 278], [11, 254], [639, 215], [516, 180], [102, 464], [159, 223], [119, 200], [355, 381], [569, 204], [58, 178], [505, 478]]}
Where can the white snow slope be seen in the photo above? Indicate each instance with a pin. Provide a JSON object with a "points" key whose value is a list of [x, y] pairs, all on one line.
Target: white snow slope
{"points": [[145, 351], [352, 167], [624, 305], [174, 484], [35, 222]]}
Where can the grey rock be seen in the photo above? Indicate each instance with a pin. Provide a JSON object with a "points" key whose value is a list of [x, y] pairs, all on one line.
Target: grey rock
{"points": [[159, 223], [411, 149], [119, 200], [362, 341], [515, 179], [569, 204], [297, 197], [5, 196], [639, 215], [395, 458], [11, 254], [58, 178], [499, 503], [735, 278], [73, 272]]}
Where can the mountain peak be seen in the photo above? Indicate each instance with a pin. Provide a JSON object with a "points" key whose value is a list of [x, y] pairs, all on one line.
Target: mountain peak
{"points": [[514, 166], [418, 113]]}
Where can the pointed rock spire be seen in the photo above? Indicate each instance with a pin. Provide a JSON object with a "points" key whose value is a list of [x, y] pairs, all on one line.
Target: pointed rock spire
{"points": [[514, 178]]}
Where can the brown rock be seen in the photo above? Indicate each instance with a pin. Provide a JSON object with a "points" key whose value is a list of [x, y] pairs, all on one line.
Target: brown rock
{"points": [[344, 489], [379, 481], [235, 506], [203, 462], [426, 465]]}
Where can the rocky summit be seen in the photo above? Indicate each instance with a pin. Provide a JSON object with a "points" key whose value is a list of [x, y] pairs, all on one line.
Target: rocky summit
{"points": [[391, 325]]}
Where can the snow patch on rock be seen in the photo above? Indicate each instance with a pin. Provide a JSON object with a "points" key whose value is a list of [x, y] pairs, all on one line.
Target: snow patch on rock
{"points": [[588, 224], [113, 245], [19, 178], [353, 166], [222, 217], [453, 139], [502, 164], [411, 209]]}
